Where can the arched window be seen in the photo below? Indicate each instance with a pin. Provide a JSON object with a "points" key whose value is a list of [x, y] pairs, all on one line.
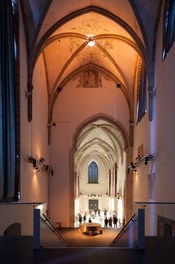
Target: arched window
{"points": [[93, 172], [141, 95], [168, 26]]}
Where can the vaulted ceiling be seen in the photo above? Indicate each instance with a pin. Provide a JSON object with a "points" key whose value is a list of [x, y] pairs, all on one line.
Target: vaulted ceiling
{"points": [[122, 33], [100, 138], [112, 37]]}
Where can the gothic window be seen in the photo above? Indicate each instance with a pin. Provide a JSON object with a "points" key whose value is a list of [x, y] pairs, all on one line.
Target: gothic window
{"points": [[168, 26], [141, 95], [93, 172]]}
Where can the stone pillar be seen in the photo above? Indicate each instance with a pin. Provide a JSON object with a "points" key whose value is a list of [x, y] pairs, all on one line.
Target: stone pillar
{"points": [[115, 180], [128, 188], [109, 182], [71, 187]]}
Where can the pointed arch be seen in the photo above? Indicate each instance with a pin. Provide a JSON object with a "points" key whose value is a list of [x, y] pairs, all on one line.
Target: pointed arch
{"points": [[105, 117]]}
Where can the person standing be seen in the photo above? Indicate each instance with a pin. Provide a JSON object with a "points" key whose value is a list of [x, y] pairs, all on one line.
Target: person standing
{"points": [[90, 221], [110, 222], [115, 220], [106, 222], [80, 219]]}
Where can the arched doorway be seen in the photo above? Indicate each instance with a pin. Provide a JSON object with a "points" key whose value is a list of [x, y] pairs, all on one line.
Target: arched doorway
{"points": [[13, 230], [99, 164]]}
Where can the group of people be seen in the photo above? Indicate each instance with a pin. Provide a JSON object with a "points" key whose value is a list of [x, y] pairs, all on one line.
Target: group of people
{"points": [[111, 222], [81, 218], [104, 218]]}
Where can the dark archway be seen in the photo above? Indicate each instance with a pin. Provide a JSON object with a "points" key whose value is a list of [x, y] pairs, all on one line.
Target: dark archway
{"points": [[13, 230]]}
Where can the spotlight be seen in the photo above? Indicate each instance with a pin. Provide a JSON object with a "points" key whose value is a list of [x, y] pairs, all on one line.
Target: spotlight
{"points": [[42, 160], [146, 160], [138, 157], [34, 163], [30, 159], [132, 165], [37, 169], [91, 43], [47, 167]]}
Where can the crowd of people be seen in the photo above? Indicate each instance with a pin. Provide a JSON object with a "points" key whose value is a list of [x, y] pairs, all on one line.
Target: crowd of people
{"points": [[105, 218]]}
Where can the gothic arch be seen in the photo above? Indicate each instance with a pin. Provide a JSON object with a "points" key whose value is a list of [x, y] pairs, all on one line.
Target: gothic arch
{"points": [[105, 117], [72, 175]]}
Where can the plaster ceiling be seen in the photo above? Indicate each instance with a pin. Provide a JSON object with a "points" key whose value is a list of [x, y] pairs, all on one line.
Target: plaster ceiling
{"points": [[67, 49], [123, 31]]}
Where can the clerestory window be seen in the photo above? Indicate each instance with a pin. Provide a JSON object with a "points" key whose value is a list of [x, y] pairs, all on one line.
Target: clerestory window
{"points": [[141, 95], [168, 26]]}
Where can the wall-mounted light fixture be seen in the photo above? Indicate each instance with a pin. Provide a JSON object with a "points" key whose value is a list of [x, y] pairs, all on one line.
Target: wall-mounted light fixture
{"points": [[37, 169], [32, 160], [140, 161], [41, 160], [51, 124], [39, 165]]}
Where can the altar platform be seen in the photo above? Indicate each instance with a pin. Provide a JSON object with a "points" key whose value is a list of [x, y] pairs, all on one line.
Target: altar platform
{"points": [[91, 228]]}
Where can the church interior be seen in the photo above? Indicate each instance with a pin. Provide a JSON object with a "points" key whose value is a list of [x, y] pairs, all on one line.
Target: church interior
{"points": [[87, 100]]}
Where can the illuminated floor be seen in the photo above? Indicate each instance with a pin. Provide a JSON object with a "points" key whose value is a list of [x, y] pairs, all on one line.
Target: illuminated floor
{"points": [[75, 238]]}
